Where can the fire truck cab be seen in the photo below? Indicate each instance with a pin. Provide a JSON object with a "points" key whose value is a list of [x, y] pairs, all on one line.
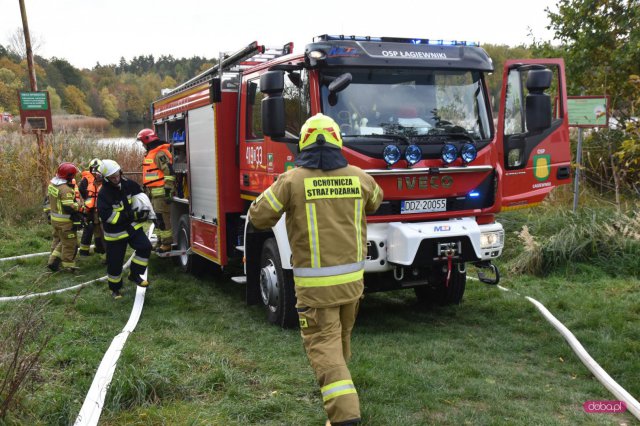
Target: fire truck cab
{"points": [[414, 113]]}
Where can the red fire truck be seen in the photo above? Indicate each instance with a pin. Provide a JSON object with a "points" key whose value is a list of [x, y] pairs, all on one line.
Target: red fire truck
{"points": [[414, 113]]}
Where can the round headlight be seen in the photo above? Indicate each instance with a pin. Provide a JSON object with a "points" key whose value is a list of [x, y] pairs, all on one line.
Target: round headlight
{"points": [[317, 54], [449, 153], [468, 153], [391, 154], [413, 154]]}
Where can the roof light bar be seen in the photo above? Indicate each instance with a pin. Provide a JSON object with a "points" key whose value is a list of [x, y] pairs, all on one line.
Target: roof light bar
{"points": [[433, 42]]}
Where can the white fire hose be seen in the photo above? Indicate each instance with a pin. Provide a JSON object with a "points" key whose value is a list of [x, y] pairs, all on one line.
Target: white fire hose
{"points": [[603, 377], [94, 401], [24, 256]]}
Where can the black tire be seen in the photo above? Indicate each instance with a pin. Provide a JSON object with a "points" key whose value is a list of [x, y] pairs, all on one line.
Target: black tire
{"points": [[276, 287], [438, 292]]}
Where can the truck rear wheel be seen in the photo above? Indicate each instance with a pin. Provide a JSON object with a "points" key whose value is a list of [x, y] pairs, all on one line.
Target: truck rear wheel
{"points": [[438, 292], [188, 262], [276, 287]]}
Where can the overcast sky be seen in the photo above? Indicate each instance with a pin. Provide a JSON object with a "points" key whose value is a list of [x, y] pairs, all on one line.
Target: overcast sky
{"points": [[89, 31]]}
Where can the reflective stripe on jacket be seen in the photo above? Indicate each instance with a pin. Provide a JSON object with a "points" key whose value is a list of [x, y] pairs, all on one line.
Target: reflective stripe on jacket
{"points": [[152, 172], [114, 209], [327, 229], [62, 202]]}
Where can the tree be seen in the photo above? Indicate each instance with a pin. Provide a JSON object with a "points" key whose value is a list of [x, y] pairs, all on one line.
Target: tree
{"points": [[18, 46], [601, 46], [109, 105], [54, 99], [75, 101]]}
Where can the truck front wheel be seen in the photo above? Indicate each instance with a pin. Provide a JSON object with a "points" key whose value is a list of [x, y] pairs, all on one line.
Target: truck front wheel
{"points": [[276, 287], [437, 291]]}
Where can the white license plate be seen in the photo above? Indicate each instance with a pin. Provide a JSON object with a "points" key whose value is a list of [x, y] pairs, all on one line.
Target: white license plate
{"points": [[423, 206]]}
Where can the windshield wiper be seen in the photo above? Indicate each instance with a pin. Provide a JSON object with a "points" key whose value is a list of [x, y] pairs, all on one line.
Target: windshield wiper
{"points": [[383, 138]]}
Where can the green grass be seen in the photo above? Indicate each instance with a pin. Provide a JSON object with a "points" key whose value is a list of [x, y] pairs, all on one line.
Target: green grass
{"points": [[200, 356]]}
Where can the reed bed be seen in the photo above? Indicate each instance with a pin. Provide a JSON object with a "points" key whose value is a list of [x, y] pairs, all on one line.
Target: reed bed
{"points": [[23, 181]]}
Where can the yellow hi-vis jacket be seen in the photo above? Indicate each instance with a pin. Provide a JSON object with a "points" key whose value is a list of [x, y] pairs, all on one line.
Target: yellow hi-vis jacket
{"points": [[62, 202], [327, 229]]}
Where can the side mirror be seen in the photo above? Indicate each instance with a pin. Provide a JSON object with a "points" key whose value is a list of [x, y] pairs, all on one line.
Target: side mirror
{"points": [[538, 103], [215, 90], [340, 83], [273, 120], [295, 79], [273, 116], [272, 82]]}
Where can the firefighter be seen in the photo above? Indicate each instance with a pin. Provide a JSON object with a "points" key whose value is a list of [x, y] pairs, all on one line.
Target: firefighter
{"points": [[89, 186], [122, 226], [158, 178], [325, 201], [65, 218]]}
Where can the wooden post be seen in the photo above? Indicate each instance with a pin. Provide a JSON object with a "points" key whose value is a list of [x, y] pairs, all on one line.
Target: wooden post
{"points": [[34, 88]]}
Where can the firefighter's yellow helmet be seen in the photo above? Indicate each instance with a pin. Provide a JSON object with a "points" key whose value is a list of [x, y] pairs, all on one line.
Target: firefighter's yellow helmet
{"points": [[320, 129]]}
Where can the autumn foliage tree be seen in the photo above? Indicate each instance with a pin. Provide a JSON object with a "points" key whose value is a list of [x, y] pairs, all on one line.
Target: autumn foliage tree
{"points": [[600, 43]]}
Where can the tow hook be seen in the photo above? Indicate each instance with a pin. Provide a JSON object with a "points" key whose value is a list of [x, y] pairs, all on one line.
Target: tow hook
{"points": [[493, 271]]}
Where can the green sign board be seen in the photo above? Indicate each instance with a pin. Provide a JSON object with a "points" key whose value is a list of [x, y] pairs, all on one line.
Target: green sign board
{"points": [[588, 111], [30, 101]]}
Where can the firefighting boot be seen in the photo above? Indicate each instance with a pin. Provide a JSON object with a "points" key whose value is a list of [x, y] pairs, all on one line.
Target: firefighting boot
{"points": [[55, 264], [84, 251], [115, 294], [138, 280]]}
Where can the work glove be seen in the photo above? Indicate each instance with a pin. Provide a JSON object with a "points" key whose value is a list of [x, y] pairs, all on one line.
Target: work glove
{"points": [[141, 216], [167, 196]]}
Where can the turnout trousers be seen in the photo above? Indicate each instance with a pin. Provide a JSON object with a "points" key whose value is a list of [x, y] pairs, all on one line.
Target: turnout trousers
{"points": [[64, 244], [163, 220], [326, 335], [138, 241], [93, 229]]}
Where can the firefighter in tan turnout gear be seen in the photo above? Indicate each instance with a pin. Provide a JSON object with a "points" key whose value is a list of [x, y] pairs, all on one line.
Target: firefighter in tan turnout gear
{"points": [[159, 179], [325, 201], [65, 218]]}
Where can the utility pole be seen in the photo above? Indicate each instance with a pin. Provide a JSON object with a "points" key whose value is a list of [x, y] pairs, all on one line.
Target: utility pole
{"points": [[34, 88]]}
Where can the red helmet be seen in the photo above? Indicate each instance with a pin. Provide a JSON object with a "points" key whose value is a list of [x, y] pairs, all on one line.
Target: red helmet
{"points": [[146, 136], [67, 171]]}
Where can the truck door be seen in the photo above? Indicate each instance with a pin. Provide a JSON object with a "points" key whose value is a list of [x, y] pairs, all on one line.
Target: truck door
{"points": [[533, 131]]}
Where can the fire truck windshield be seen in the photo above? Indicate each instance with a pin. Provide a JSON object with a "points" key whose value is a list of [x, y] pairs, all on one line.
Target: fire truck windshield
{"points": [[409, 103]]}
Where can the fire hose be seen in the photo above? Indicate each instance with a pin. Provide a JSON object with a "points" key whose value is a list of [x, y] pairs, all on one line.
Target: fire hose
{"points": [[94, 401], [603, 377]]}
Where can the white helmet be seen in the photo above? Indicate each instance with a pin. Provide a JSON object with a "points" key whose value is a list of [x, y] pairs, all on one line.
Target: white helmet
{"points": [[108, 168]]}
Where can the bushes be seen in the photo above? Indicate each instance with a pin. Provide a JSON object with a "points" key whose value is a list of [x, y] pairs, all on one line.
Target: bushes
{"points": [[557, 238]]}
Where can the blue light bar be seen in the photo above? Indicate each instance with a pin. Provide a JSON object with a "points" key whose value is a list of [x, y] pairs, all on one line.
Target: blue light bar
{"points": [[474, 194], [434, 42]]}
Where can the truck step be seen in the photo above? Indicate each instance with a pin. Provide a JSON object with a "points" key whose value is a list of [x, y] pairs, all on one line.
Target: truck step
{"points": [[240, 248], [173, 253], [242, 279]]}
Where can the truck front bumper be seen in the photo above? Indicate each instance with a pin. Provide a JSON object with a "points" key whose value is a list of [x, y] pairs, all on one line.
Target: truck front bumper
{"points": [[423, 244]]}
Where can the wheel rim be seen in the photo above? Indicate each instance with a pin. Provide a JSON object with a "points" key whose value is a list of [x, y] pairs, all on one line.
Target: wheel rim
{"points": [[182, 246], [269, 286]]}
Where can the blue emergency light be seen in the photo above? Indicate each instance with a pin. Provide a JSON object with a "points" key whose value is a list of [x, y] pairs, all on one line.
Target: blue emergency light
{"points": [[434, 42], [413, 154], [391, 154]]}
